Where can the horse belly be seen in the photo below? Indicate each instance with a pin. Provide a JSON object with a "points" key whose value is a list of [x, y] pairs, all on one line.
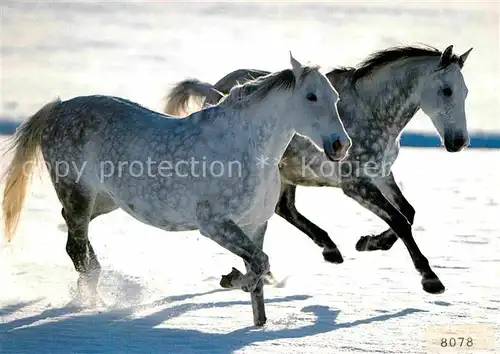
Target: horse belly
{"points": [[165, 220], [167, 208]]}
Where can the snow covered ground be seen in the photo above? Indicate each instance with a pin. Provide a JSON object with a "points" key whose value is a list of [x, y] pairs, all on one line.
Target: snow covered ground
{"points": [[161, 289]]}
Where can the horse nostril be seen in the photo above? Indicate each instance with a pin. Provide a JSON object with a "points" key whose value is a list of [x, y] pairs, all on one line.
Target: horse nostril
{"points": [[337, 145]]}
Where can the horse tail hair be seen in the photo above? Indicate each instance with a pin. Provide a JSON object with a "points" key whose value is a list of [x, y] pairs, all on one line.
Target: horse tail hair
{"points": [[177, 100], [26, 145]]}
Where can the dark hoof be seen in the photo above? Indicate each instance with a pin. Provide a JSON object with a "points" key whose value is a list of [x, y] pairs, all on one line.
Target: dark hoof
{"points": [[260, 322], [227, 280], [333, 255], [433, 285], [372, 243], [363, 244]]}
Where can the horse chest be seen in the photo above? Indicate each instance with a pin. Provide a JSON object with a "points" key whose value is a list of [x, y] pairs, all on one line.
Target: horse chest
{"points": [[260, 202]]}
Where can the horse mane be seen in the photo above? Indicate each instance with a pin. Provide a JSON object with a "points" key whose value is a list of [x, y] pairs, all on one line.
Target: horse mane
{"points": [[256, 89], [390, 55]]}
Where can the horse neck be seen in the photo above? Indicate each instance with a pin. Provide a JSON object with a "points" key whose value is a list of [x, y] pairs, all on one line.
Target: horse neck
{"points": [[266, 124], [391, 94]]}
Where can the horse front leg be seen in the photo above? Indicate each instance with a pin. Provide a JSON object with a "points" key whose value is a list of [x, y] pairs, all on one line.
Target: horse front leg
{"points": [[229, 281], [366, 193], [388, 238], [287, 210], [235, 277], [257, 294], [230, 236]]}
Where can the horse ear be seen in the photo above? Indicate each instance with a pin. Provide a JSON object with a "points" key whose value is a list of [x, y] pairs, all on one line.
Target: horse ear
{"points": [[446, 56], [296, 67], [464, 56]]}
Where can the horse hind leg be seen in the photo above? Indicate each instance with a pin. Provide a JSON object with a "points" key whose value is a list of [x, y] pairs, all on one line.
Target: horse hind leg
{"points": [[78, 205], [103, 204]]}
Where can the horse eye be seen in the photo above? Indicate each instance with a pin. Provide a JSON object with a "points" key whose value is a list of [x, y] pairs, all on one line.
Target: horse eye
{"points": [[447, 91], [312, 97]]}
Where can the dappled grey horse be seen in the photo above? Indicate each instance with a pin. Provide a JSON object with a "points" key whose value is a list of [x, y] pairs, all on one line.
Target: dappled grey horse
{"points": [[377, 101], [95, 136]]}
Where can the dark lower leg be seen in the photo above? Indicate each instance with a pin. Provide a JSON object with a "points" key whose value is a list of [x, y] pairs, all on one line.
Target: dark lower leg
{"points": [[257, 294], [287, 210], [77, 214], [385, 240], [430, 280], [78, 246], [229, 235], [368, 195], [85, 262], [258, 307], [388, 238], [381, 242]]}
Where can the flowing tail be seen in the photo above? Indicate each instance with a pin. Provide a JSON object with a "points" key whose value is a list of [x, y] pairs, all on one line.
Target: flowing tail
{"points": [[177, 101], [26, 142]]}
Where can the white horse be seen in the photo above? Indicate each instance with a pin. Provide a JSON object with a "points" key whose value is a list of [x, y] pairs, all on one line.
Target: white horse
{"points": [[96, 136], [378, 99]]}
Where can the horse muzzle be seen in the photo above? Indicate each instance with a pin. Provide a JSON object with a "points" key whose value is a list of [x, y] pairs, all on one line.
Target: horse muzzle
{"points": [[335, 148], [455, 142]]}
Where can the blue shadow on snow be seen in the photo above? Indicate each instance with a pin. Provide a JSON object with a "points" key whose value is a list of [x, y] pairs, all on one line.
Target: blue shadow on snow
{"points": [[116, 332]]}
